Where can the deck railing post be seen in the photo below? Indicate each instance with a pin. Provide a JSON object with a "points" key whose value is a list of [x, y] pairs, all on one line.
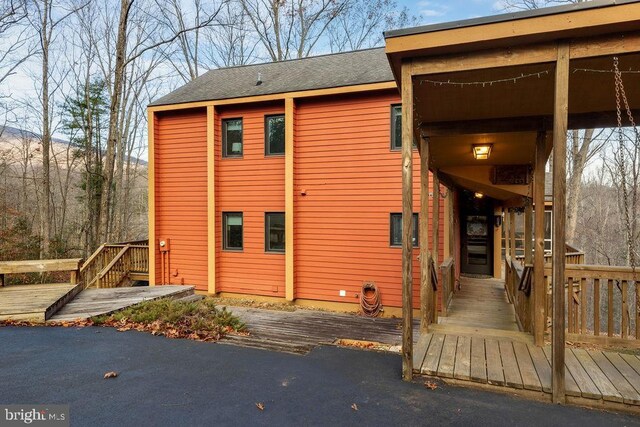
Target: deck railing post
{"points": [[560, 119]]}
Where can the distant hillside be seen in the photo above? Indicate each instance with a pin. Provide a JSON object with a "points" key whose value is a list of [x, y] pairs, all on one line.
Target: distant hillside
{"points": [[19, 144]]}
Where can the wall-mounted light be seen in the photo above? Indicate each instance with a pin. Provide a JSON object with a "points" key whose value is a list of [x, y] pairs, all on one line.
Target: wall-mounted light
{"points": [[482, 151], [479, 195]]}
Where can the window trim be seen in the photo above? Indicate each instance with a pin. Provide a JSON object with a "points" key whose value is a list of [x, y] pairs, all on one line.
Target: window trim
{"points": [[416, 230], [267, 248], [224, 231], [225, 154], [266, 135]]}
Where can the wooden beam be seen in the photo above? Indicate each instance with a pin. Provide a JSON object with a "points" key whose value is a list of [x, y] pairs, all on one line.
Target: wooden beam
{"points": [[539, 283], [561, 108], [289, 147], [211, 201], [278, 96], [151, 182], [608, 45], [494, 58], [448, 224], [407, 222], [426, 291]]}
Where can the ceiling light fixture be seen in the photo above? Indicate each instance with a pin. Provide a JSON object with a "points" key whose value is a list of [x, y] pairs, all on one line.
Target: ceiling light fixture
{"points": [[482, 151]]}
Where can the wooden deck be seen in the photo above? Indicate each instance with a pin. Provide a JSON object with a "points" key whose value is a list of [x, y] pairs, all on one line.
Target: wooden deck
{"points": [[95, 302], [301, 330], [590, 374], [481, 303], [34, 302]]}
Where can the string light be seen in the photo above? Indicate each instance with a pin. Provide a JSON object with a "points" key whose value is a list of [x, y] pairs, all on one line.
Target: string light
{"points": [[589, 70], [485, 83]]}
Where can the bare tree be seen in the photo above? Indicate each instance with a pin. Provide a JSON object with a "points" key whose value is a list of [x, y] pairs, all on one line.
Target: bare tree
{"points": [[231, 42], [362, 23]]}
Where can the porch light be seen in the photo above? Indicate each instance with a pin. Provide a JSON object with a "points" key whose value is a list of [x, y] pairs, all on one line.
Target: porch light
{"points": [[479, 195], [482, 151]]}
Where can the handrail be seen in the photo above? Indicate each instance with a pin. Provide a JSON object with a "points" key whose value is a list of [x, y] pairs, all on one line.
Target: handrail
{"points": [[447, 271], [105, 258], [601, 301]]}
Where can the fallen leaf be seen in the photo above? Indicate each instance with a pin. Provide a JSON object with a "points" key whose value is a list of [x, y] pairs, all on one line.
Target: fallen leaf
{"points": [[260, 406], [354, 407], [110, 374], [431, 385]]}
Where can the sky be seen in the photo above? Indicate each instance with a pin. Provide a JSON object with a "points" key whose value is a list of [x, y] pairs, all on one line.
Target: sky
{"points": [[435, 11]]}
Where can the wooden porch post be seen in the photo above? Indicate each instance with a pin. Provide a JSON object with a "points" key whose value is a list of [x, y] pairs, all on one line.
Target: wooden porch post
{"points": [[426, 291], [539, 284], [512, 234], [560, 118], [507, 227], [528, 231], [407, 221], [436, 242]]}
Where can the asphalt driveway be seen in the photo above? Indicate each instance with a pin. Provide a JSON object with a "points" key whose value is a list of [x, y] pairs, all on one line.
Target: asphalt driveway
{"points": [[186, 383]]}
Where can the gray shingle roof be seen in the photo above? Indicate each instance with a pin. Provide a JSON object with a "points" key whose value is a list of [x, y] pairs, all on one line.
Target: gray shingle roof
{"points": [[319, 72]]}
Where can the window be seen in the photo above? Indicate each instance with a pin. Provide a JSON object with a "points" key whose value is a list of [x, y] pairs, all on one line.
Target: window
{"points": [[274, 232], [274, 135], [396, 229], [232, 231], [396, 127], [232, 138]]}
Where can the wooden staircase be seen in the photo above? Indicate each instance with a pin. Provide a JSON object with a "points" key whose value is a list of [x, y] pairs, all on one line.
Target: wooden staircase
{"points": [[115, 265]]}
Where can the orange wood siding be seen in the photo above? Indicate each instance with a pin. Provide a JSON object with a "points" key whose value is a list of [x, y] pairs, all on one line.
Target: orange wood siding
{"points": [[352, 183], [253, 184], [180, 155]]}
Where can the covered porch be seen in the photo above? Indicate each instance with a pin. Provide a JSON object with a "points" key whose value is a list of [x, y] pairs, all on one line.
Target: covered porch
{"points": [[487, 102]]}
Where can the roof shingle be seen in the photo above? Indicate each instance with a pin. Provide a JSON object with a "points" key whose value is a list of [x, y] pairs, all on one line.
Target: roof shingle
{"points": [[319, 72]]}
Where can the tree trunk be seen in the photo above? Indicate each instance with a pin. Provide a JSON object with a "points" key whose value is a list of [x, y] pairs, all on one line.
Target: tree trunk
{"points": [[579, 153], [46, 135], [112, 137]]}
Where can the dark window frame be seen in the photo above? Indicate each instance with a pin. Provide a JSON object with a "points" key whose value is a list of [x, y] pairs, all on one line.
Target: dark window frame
{"points": [[225, 216], [267, 152], [225, 154], [267, 241], [393, 141], [416, 231]]}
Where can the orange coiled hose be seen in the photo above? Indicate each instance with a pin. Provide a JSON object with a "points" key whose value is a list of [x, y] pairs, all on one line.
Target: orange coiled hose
{"points": [[370, 303]]}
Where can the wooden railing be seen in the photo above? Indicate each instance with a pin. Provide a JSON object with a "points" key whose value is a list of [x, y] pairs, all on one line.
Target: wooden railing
{"points": [[518, 283], [601, 302], [448, 275], [111, 264], [573, 257], [41, 266]]}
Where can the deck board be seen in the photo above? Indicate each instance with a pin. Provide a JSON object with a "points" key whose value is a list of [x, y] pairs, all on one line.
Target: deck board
{"points": [[478, 370], [542, 367], [462, 367], [512, 375], [607, 389], [530, 379], [626, 390], [432, 359], [495, 373], [448, 356]]}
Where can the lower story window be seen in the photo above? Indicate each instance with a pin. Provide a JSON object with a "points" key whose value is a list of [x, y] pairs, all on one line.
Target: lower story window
{"points": [[232, 229], [274, 232], [396, 229]]}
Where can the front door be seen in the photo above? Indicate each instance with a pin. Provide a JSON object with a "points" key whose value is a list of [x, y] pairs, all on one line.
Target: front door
{"points": [[476, 235]]}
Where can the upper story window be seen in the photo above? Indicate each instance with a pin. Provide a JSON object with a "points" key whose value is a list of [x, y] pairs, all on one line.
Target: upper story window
{"points": [[274, 135], [396, 230], [396, 127], [232, 138]]}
